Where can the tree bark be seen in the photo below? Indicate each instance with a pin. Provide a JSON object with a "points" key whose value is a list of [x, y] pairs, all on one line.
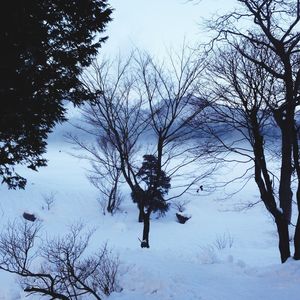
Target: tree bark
{"points": [[285, 191], [283, 235], [112, 199], [297, 239], [139, 198], [141, 213], [265, 187], [297, 169], [297, 229], [146, 230]]}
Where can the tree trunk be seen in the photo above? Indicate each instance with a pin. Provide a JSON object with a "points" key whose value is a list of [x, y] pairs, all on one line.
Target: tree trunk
{"points": [[297, 229], [264, 184], [112, 199], [283, 235], [139, 195], [160, 147], [297, 240], [146, 230], [284, 118], [285, 192], [297, 169], [141, 213]]}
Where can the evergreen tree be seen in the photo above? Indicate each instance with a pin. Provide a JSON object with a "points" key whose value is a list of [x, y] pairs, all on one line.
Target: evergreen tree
{"points": [[44, 47], [151, 199], [157, 184]]}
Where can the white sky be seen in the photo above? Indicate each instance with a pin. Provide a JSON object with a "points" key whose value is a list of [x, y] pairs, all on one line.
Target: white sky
{"points": [[157, 25]]}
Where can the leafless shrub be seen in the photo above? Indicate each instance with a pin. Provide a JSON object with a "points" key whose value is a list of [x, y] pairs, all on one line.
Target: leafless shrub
{"points": [[66, 272], [49, 200], [105, 173], [180, 204], [223, 241], [105, 203], [17, 247], [111, 197]]}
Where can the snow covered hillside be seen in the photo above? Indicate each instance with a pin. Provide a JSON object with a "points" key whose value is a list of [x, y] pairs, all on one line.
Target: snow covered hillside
{"points": [[219, 254]]}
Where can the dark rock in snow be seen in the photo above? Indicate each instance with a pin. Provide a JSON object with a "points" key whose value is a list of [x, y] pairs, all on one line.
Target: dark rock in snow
{"points": [[29, 217]]}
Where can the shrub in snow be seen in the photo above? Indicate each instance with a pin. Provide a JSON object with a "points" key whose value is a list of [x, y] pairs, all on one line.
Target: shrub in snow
{"points": [[59, 268], [105, 174], [110, 202], [180, 205], [223, 241], [182, 218], [49, 200]]}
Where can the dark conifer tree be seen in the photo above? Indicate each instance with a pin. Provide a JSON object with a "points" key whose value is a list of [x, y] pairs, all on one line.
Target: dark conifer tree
{"points": [[152, 198], [44, 47], [157, 182]]}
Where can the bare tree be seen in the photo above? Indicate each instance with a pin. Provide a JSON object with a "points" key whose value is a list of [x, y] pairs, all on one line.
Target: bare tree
{"points": [[116, 118], [169, 90], [144, 105], [105, 173], [244, 94], [65, 272], [269, 27]]}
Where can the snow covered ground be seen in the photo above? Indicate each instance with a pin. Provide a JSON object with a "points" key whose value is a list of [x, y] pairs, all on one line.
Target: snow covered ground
{"points": [[184, 261]]}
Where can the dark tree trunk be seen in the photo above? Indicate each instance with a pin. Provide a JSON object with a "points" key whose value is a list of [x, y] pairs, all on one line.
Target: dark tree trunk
{"points": [[146, 230], [283, 235], [284, 117], [264, 184], [297, 229], [141, 213], [297, 169], [112, 199], [297, 240], [285, 192], [139, 195]]}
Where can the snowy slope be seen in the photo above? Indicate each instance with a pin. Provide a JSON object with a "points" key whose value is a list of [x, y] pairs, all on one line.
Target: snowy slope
{"points": [[184, 261]]}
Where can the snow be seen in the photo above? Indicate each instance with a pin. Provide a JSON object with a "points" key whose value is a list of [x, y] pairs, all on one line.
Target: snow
{"points": [[219, 254]]}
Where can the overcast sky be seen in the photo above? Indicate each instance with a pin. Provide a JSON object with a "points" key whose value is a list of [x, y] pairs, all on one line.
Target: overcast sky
{"points": [[157, 25]]}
